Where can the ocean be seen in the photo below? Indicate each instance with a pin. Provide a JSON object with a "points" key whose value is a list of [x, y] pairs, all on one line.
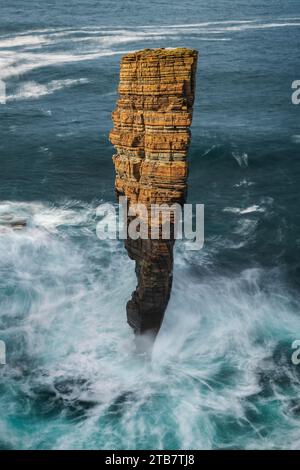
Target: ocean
{"points": [[221, 374]]}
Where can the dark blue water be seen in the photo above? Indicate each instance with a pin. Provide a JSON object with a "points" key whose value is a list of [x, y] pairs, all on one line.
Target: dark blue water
{"points": [[221, 375]]}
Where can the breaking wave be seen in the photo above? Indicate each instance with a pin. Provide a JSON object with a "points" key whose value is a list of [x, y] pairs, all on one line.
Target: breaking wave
{"points": [[220, 357]]}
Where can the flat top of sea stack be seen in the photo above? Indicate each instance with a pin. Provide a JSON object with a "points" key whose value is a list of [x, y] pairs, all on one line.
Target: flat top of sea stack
{"points": [[160, 53]]}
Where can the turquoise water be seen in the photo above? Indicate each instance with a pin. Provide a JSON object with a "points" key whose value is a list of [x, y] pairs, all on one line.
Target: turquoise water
{"points": [[221, 374]]}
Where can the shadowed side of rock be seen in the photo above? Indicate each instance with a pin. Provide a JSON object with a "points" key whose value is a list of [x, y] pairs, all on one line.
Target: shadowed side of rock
{"points": [[151, 136]]}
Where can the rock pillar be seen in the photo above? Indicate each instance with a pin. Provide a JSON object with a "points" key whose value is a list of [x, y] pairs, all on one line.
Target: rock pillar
{"points": [[151, 136]]}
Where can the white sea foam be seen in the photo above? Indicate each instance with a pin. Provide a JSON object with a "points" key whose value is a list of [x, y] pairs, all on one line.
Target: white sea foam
{"points": [[26, 40], [34, 90], [14, 64], [71, 350], [17, 61], [248, 210], [47, 216], [29, 50], [254, 208], [244, 183]]}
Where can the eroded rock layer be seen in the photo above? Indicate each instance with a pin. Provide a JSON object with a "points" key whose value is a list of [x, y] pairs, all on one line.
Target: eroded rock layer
{"points": [[151, 136]]}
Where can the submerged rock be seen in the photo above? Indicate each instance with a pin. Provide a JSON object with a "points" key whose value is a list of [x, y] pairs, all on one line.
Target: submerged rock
{"points": [[151, 135], [8, 220]]}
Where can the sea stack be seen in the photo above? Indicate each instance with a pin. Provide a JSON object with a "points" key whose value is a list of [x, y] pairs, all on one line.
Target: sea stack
{"points": [[151, 135]]}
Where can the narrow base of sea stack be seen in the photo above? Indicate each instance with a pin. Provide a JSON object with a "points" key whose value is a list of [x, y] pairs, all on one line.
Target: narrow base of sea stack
{"points": [[151, 136], [154, 271]]}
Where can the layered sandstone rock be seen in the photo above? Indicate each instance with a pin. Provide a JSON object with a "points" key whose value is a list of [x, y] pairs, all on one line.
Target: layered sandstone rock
{"points": [[151, 136]]}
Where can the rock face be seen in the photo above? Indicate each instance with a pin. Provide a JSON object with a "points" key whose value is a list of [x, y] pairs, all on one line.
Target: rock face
{"points": [[151, 136]]}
